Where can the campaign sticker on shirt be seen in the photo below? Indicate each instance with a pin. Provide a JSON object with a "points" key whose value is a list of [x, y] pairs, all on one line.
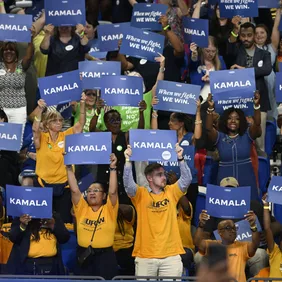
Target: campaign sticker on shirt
{"points": [[143, 62], [185, 143], [61, 144], [166, 155], [260, 63], [69, 47], [2, 72], [119, 148]]}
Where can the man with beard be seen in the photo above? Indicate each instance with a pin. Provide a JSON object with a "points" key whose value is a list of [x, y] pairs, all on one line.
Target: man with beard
{"points": [[158, 243], [237, 252], [250, 56]]}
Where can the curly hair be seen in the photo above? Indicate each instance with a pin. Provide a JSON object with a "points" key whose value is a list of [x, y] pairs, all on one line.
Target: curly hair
{"points": [[243, 126]]}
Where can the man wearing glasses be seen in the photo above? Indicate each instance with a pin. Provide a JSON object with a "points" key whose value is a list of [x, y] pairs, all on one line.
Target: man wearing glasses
{"points": [[158, 244], [228, 232]]}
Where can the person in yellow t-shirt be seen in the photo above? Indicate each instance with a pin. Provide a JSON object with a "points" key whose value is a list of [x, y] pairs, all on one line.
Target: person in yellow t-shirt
{"points": [[124, 238], [158, 244], [95, 224], [237, 252], [50, 148], [274, 250], [36, 249]]}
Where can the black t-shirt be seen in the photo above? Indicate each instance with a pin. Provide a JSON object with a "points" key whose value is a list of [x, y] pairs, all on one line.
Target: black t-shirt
{"points": [[149, 71], [255, 206]]}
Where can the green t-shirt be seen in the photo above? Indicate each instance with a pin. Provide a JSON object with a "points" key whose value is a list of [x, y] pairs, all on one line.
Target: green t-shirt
{"points": [[89, 116], [130, 115]]}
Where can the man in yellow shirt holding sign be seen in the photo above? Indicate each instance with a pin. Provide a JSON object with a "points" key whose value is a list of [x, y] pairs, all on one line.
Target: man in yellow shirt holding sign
{"points": [[158, 244]]}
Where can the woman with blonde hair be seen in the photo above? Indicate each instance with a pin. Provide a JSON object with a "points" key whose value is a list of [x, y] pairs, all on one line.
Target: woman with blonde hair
{"points": [[202, 62], [50, 168]]}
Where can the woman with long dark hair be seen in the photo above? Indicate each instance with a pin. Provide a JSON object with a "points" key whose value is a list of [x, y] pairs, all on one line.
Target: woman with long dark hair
{"points": [[233, 141], [65, 46], [36, 249]]}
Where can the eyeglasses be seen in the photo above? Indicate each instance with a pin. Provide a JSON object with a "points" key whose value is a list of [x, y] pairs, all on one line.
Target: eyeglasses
{"points": [[57, 120], [91, 94], [230, 228], [94, 191]]}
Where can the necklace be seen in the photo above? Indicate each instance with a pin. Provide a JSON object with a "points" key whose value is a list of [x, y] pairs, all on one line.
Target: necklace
{"points": [[234, 136]]}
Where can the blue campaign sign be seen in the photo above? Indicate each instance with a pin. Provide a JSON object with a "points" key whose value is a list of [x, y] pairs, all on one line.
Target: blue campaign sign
{"points": [[85, 182], [142, 44], [61, 88], [15, 28], [233, 88], [147, 16], [34, 201], [228, 202], [268, 4], [65, 110], [197, 31], [231, 8], [92, 71], [211, 7], [278, 87], [65, 12], [275, 190], [177, 97], [10, 136], [188, 155], [109, 36], [88, 148], [153, 145], [95, 50], [244, 233], [121, 90], [36, 10]]}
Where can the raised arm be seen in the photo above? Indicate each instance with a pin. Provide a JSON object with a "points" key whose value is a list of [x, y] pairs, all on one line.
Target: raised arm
{"points": [[196, 13], [132, 2], [142, 107], [2, 7], [78, 127], [129, 184], [185, 173], [45, 44], [194, 52], [113, 183], [175, 41], [266, 225], [255, 128], [39, 23], [161, 60], [275, 35], [75, 192], [212, 132], [198, 122], [29, 51], [80, 32], [199, 236], [252, 247], [41, 105], [93, 123], [154, 120]]}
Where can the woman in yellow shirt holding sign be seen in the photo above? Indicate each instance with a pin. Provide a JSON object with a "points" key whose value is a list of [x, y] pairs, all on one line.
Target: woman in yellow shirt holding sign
{"points": [[96, 224]]}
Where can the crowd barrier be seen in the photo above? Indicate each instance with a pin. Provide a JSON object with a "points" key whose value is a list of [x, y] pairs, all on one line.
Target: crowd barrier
{"points": [[269, 279]]}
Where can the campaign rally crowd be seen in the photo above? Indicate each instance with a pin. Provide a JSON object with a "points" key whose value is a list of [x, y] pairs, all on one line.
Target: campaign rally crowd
{"points": [[118, 117]]}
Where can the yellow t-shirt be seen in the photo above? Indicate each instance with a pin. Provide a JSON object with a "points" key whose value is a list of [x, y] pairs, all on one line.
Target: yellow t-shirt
{"points": [[50, 159], [45, 247], [237, 255], [275, 262], [184, 225], [40, 60], [157, 233], [124, 238], [86, 219]]}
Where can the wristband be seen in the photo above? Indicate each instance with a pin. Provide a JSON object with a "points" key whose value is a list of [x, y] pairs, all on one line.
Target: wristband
{"points": [[266, 208], [127, 160], [37, 119], [180, 160], [167, 27], [1, 3], [234, 34], [113, 169], [200, 225], [254, 228], [162, 70], [211, 110], [198, 122], [81, 35], [257, 108], [22, 229]]}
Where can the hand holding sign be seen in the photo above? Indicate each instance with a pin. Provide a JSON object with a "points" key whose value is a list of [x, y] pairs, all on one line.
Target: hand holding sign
{"points": [[163, 20], [49, 29], [256, 98], [210, 103], [251, 218], [100, 104], [203, 218], [128, 153], [194, 48], [142, 106], [179, 151], [80, 30], [113, 161], [161, 60], [41, 104]]}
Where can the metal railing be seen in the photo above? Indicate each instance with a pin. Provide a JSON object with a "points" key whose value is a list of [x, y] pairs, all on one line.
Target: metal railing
{"points": [[49, 277], [268, 279], [160, 278]]}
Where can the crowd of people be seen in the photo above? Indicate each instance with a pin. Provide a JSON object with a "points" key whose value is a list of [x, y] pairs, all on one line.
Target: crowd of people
{"points": [[139, 218]]}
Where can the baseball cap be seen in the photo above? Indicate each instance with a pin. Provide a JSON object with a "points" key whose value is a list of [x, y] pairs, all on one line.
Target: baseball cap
{"points": [[229, 181]]}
